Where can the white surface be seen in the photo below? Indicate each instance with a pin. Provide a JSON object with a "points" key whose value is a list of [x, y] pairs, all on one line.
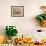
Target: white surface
{"points": [[26, 25]]}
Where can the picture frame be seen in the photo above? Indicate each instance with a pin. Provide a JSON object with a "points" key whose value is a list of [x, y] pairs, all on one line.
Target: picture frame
{"points": [[17, 11]]}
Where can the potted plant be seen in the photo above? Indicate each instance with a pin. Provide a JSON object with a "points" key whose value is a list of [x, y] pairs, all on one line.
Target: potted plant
{"points": [[42, 17], [10, 31]]}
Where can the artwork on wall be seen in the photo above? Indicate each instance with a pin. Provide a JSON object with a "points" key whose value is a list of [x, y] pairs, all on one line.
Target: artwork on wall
{"points": [[17, 11]]}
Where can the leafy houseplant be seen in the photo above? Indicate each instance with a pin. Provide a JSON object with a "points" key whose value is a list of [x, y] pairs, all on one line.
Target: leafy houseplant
{"points": [[11, 31], [42, 19]]}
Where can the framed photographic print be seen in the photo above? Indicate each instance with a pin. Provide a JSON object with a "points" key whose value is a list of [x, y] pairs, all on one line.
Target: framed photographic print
{"points": [[17, 11]]}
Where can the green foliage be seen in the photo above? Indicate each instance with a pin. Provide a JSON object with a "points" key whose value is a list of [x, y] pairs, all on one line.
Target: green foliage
{"points": [[11, 31], [45, 17], [41, 17]]}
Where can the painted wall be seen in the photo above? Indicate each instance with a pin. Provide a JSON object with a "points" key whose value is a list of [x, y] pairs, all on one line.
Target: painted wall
{"points": [[26, 25]]}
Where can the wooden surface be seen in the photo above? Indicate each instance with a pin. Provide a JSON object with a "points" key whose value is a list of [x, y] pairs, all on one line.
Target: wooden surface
{"points": [[30, 45]]}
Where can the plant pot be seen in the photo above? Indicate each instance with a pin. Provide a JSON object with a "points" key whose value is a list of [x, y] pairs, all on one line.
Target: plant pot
{"points": [[43, 23], [9, 41], [13, 38]]}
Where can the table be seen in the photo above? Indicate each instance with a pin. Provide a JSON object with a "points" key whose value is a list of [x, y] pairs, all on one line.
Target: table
{"points": [[25, 44]]}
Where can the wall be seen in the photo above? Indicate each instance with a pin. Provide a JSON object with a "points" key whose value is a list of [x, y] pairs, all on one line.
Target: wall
{"points": [[26, 25]]}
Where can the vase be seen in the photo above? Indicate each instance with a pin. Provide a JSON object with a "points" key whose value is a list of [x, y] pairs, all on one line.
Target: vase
{"points": [[43, 23], [9, 41], [13, 38]]}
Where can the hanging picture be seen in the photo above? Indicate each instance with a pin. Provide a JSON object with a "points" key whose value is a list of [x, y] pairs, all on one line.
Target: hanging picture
{"points": [[17, 11]]}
